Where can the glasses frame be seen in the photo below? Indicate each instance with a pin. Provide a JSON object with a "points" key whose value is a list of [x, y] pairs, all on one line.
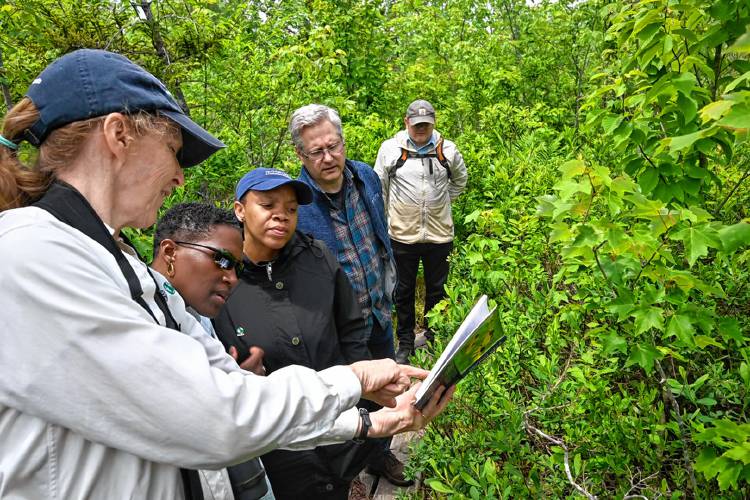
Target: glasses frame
{"points": [[319, 154], [223, 259]]}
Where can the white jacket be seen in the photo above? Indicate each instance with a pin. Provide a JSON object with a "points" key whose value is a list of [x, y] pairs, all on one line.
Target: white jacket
{"points": [[97, 401], [418, 197]]}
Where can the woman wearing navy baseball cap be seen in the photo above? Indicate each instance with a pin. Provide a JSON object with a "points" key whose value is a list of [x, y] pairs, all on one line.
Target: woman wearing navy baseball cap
{"points": [[295, 302], [105, 392]]}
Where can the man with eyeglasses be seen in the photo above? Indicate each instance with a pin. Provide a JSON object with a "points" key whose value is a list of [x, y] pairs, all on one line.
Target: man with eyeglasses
{"points": [[347, 213], [421, 174]]}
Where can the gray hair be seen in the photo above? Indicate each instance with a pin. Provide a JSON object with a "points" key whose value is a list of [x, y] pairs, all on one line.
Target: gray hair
{"points": [[309, 115]]}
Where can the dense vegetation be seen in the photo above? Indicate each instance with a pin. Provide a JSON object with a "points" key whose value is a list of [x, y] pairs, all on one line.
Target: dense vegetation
{"points": [[606, 213]]}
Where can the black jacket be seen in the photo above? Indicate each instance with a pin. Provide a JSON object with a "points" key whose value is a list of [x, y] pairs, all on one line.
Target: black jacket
{"points": [[300, 309]]}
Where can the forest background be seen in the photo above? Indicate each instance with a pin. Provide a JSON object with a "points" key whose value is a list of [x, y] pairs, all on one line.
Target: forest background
{"points": [[606, 213]]}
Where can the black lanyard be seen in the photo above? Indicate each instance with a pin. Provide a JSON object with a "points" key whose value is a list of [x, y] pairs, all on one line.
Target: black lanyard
{"points": [[70, 207]]}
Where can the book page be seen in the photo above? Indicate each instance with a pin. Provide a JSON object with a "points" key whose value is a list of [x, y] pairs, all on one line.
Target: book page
{"points": [[473, 320]]}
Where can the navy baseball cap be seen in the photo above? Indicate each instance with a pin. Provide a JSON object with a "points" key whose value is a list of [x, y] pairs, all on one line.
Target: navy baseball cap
{"points": [[266, 179], [88, 83]]}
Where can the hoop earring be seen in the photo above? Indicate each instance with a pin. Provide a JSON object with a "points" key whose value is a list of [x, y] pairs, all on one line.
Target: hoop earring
{"points": [[170, 269]]}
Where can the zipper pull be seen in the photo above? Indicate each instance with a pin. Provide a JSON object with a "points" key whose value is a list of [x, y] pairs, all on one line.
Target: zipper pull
{"points": [[269, 271]]}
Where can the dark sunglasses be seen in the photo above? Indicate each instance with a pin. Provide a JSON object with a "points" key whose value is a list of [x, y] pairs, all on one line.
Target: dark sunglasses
{"points": [[222, 258]]}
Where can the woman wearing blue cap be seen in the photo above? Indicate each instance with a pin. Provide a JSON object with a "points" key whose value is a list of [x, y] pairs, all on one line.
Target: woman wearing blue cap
{"points": [[106, 392], [295, 302]]}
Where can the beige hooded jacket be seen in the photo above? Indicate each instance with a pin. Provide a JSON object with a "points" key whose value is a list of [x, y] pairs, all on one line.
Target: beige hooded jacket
{"points": [[418, 195]]}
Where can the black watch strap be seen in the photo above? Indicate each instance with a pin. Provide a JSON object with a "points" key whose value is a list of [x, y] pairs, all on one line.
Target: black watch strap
{"points": [[364, 416]]}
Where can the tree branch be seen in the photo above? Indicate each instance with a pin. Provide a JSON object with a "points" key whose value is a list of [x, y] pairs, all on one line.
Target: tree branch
{"points": [[566, 457], [678, 416], [726, 198]]}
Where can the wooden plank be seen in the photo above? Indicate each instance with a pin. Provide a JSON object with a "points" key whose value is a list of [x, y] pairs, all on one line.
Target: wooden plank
{"points": [[384, 490]]}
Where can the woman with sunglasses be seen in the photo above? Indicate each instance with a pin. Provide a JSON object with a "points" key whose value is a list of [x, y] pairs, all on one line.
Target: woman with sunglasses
{"points": [[198, 248], [296, 303], [105, 391]]}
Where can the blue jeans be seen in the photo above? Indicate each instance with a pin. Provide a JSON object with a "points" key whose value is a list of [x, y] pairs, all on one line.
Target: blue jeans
{"points": [[380, 342]]}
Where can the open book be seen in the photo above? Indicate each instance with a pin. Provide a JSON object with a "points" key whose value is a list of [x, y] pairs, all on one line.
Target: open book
{"points": [[476, 338]]}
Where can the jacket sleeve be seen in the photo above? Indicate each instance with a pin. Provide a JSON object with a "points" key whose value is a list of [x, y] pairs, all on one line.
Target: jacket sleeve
{"points": [[459, 175], [350, 323], [79, 353], [382, 168]]}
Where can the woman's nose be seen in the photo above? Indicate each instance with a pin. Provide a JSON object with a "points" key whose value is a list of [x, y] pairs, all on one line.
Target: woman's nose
{"points": [[230, 277]]}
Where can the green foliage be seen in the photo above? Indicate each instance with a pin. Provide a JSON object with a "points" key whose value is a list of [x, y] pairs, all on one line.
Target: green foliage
{"points": [[606, 211]]}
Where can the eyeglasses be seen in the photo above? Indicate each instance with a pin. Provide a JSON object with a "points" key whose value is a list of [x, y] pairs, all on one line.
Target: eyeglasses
{"points": [[318, 154], [222, 258]]}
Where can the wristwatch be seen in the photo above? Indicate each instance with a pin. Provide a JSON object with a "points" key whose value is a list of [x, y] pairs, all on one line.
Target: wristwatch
{"points": [[364, 415]]}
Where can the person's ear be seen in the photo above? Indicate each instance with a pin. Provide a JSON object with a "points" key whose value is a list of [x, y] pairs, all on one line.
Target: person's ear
{"points": [[117, 136], [239, 211], [406, 122], [167, 256], [299, 154]]}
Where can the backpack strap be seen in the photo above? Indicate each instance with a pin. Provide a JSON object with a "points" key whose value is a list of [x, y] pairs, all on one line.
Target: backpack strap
{"points": [[399, 163], [442, 159], [406, 154]]}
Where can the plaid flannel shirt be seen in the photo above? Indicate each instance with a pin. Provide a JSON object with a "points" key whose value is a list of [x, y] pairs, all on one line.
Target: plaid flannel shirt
{"points": [[359, 253]]}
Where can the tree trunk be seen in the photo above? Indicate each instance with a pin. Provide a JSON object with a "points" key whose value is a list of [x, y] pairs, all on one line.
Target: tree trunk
{"points": [[158, 42], [4, 84]]}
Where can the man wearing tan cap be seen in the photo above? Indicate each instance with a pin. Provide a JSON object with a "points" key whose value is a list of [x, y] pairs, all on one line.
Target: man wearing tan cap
{"points": [[421, 174]]}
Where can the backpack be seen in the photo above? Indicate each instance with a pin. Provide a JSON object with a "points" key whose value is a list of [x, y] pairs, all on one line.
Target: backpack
{"points": [[406, 154]]}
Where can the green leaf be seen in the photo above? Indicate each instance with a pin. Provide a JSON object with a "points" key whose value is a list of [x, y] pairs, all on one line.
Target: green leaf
{"points": [[622, 305], [738, 118], [613, 342], [681, 327], [648, 180], [697, 240], [745, 373], [610, 123], [685, 82], [704, 341], [647, 318], [734, 236], [683, 141], [704, 462], [729, 329], [644, 356], [740, 453], [742, 44], [438, 486], [728, 477], [489, 471], [688, 106], [715, 110], [469, 480], [734, 83], [572, 168]]}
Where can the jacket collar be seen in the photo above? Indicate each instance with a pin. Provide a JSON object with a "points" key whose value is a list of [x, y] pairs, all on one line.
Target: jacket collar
{"points": [[295, 245], [403, 140]]}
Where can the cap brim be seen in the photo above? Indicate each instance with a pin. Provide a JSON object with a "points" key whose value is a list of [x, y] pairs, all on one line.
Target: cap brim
{"points": [[301, 190], [413, 120], [304, 193], [197, 143]]}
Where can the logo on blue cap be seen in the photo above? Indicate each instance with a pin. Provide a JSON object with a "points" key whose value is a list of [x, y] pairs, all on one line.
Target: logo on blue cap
{"points": [[267, 179]]}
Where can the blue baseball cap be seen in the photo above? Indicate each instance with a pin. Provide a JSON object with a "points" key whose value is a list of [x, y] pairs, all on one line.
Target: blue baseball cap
{"points": [[88, 83], [266, 179]]}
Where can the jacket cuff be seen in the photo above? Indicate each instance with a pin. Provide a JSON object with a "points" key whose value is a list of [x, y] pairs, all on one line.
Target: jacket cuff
{"points": [[346, 383], [345, 427]]}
